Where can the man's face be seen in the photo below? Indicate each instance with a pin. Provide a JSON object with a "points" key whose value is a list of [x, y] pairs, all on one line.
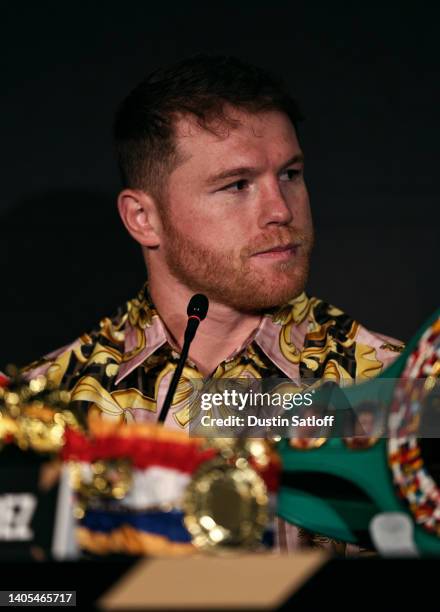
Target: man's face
{"points": [[236, 222]]}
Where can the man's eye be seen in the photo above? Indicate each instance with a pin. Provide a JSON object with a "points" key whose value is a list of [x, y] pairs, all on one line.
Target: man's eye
{"points": [[291, 174], [237, 186]]}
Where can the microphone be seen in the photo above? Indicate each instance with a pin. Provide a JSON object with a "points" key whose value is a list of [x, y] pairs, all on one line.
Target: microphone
{"points": [[197, 310]]}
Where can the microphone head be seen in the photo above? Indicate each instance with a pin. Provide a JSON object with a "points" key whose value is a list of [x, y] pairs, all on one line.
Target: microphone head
{"points": [[198, 306]]}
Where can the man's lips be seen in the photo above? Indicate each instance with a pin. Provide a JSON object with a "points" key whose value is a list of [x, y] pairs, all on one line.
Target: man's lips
{"points": [[279, 252]]}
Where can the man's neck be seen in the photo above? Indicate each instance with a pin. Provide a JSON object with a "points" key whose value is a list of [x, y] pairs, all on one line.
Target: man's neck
{"points": [[222, 332]]}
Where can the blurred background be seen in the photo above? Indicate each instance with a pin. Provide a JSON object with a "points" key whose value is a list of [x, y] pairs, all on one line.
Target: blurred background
{"points": [[366, 77]]}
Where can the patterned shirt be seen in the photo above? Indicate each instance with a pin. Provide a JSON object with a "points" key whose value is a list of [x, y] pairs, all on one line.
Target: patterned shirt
{"points": [[123, 368]]}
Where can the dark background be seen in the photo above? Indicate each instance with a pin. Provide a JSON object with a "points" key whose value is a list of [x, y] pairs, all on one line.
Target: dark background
{"points": [[366, 77]]}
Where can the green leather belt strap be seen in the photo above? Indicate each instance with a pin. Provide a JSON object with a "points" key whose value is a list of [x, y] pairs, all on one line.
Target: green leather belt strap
{"points": [[389, 476]]}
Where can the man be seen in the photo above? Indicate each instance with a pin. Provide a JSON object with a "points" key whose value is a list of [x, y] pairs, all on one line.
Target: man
{"points": [[214, 193]]}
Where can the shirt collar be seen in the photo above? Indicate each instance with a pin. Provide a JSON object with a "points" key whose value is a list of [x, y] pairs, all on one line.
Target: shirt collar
{"points": [[145, 333]]}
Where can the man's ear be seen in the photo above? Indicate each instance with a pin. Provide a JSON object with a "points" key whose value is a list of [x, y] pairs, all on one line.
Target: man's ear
{"points": [[139, 215]]}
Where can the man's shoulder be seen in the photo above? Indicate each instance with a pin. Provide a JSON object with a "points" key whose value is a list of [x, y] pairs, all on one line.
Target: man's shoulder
{"points": [[103, 344], [98, 353], [329, 339]]}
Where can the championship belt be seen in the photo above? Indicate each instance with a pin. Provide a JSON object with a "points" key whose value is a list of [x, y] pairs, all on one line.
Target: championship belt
{"points": [[337, 482], [145, 489], [139, 489]]}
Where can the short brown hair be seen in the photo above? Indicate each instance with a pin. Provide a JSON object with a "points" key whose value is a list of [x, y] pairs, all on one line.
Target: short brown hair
{"points": [[201, 86]]}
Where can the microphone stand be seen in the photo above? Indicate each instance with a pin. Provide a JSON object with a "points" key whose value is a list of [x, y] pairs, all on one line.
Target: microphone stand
{"points": [[174, 382], [197, 309]]}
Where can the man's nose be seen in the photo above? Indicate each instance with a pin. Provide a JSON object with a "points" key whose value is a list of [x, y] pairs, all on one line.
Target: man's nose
{"points": [[273, 205]]}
